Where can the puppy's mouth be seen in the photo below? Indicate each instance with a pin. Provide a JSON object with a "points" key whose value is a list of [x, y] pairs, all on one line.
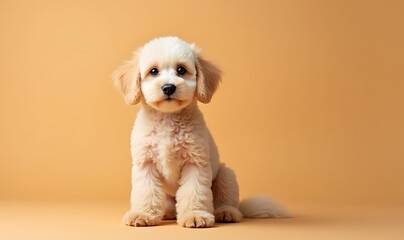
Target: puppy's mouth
{"points": [[170, 99]]}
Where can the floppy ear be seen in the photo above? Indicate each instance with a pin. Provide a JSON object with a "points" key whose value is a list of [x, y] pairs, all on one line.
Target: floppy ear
{"points": [[208, 77], [127, 79]]}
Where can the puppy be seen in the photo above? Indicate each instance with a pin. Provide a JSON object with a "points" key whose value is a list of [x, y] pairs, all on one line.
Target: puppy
{"points": [[176, 173]]}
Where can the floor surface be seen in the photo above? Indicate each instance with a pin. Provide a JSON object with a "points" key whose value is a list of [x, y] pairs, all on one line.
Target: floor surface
{"points": [[19, 220]]}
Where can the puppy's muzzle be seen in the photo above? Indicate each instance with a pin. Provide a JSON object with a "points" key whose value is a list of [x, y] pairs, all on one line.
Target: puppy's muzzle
{"points": [[168, 89]]}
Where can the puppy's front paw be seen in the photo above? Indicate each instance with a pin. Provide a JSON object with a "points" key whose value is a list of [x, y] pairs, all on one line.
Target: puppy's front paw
{"points": [[196, 219], [228, 214], [140, 219]]}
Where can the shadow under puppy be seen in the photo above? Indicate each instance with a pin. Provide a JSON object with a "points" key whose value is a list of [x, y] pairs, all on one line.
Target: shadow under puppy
{"points": [[176, 173]]}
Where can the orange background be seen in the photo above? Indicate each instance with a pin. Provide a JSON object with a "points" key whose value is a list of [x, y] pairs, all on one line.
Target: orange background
{"points": [[311, 109]]}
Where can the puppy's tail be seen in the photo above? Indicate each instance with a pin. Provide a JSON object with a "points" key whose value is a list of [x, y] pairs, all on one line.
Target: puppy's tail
{"points": [[262, 207]]}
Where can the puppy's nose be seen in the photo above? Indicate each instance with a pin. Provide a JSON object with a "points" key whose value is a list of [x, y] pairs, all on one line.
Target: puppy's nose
{"points": [[168, 89]]}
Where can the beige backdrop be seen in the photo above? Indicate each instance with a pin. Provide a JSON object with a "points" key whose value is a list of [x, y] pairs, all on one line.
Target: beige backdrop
{"points": [[311, 109]]}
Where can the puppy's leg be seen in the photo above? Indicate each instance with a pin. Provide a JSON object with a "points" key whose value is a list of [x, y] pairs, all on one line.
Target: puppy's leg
{"points": [[147, 197], [226, 196], [170, 213], [194, 197]]}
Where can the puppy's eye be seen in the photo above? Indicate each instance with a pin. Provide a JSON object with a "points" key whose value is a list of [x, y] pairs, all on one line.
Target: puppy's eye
{"points": [[181, 70], [154, 71]]}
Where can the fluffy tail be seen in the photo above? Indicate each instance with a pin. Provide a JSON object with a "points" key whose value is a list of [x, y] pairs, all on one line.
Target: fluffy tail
{"points": [[262, 207]]}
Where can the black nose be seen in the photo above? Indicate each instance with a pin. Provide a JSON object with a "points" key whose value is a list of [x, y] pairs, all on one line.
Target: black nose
{"points": [[168, 89]]}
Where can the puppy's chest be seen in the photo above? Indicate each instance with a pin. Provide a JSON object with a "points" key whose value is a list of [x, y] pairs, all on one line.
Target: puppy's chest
{"points": [[170, 148]]}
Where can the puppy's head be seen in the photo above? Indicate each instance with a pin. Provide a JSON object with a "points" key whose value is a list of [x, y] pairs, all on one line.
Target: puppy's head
{"points": [[167, 74]]}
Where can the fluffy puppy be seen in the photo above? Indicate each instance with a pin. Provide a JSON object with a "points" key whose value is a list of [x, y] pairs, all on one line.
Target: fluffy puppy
{"points": [[176, 173]]}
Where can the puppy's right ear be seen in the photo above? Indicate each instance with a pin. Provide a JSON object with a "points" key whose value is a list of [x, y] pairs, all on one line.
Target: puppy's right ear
{"points": [[127, 79]]}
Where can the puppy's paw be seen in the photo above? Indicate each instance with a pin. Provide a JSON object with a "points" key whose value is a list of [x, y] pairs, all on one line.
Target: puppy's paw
{"points": [[227, 214], [140, 219], [196, 219]]}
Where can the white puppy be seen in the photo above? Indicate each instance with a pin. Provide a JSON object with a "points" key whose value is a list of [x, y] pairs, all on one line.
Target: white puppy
{"points": [[176, 172]]}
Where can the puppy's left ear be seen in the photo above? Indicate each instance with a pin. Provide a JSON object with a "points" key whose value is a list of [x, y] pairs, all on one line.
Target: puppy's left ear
{"points": [[208, 77], [127, 79]]}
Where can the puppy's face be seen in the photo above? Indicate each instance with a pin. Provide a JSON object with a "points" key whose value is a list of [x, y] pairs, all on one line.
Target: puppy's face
{"points": [[167, 74]]}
